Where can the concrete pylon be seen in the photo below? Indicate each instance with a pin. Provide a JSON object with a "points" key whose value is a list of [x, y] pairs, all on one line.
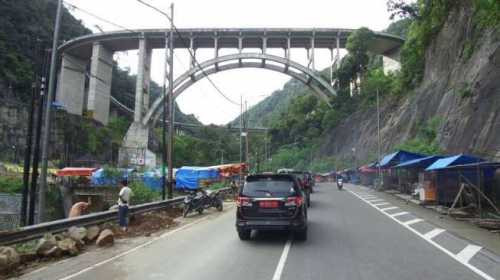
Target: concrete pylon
{"points": [[143, 80], [71, 87], [101, 71], [134, 150]]}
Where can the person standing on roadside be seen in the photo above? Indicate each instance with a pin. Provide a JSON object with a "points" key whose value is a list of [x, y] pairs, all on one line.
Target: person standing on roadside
{"points": [[123, 203]]}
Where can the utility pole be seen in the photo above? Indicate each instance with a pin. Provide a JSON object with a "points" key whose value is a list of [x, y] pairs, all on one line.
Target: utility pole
{"points": [[247, 159], [164, 124], [46, 131], [36, 152], [171, 104], [378, 140], [27, 155], [241, 136]]}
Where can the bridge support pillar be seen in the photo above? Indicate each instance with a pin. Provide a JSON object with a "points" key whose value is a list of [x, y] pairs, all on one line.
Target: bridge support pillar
{"points": [[71, 88], [101, 71], [134, 150], [143, 80]]}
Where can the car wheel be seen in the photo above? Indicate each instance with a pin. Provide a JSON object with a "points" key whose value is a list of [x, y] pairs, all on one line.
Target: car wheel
{"points": [[301, 234], [244, 234]]}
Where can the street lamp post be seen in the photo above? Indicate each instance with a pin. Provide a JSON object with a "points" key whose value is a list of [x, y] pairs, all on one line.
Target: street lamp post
{"points": [[169, 62]]}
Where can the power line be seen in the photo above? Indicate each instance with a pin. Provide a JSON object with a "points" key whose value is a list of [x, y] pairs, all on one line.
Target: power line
{"points": [[72, 6], [176, 30]]}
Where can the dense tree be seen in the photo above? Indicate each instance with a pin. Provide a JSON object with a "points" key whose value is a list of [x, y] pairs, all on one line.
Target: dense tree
{"points": [[26, 29], [402, 9]]}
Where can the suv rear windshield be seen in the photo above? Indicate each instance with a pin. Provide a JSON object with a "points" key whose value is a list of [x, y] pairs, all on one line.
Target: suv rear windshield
{"points": [[268, 187]]}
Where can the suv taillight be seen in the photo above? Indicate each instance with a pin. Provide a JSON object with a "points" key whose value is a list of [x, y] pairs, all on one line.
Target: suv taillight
{"points": [[294, 201], [242, 201]]}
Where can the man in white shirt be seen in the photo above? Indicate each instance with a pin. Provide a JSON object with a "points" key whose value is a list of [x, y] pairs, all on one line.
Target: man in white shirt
{"points": [[123, 203]]}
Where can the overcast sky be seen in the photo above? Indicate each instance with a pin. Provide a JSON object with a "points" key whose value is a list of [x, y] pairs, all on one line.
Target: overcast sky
{"points": [[254, 85]]}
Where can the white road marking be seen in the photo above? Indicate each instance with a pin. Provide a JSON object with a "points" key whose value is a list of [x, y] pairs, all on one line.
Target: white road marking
{"points": [[398, 214], [281, 263], [381, 204], [368, 196], [468, 252], [433, 233], [411, 222], [374, 200], [389, 208], [463, 257], [132, 250]]}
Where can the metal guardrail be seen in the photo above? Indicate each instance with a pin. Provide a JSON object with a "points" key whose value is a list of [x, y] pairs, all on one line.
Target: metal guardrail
{"points": [[36, 231]]}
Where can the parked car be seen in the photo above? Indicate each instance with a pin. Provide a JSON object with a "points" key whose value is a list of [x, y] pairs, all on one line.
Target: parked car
{"points": [[271, 202]]}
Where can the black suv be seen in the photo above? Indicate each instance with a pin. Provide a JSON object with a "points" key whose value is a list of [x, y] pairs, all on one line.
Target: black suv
{"points": [[271, 202]]}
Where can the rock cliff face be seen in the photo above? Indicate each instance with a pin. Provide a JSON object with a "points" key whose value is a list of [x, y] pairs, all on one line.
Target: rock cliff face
{"points": [[462, 89]]}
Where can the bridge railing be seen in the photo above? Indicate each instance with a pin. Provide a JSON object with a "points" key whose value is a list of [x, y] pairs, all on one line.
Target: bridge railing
{"points": [[36, 231]]}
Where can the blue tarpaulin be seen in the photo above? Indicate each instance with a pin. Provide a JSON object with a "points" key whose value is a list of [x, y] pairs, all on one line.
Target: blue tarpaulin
{"points": [[99, 177], [453, 160], [397, 158], [419, 162], [189, 177], [152, 179]]}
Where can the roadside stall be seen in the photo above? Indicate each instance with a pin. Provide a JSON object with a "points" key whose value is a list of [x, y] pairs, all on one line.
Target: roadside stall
{"points": [[192, 177], [70, 181], [410, 173], [368, 174], [390, 178], [446, 180]]}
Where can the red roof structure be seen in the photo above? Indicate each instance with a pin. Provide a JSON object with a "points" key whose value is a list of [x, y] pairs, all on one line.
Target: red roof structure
{"points": [[75, 171]]}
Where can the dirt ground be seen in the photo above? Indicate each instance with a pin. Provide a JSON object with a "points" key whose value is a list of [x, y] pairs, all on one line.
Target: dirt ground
{"points": [[148, 223], [140, 225]]}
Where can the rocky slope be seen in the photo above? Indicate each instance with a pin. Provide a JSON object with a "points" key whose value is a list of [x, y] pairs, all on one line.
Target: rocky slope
{"points": [[461, 89]]}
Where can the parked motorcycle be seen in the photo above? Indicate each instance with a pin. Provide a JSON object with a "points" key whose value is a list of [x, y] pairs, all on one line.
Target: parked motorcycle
{"points": [[340, 184], [201, 200]]}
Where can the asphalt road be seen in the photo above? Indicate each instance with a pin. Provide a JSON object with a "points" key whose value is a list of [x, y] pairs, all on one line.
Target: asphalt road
{"points": [[348, 239]]}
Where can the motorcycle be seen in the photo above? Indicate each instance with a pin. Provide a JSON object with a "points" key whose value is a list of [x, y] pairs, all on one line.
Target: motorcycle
{"points": [[339, 184], [201, 200]]}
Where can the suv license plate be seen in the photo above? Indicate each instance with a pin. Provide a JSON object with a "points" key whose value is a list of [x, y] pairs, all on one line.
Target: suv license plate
{"points": [[269, 204]]}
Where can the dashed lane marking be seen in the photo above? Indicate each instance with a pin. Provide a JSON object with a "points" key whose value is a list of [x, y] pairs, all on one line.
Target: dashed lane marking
{"points": [[411, 222], [381, 204], [398, 214], [374, 200], [433, 233], [468, 252], [389, 208], [463, 257]]}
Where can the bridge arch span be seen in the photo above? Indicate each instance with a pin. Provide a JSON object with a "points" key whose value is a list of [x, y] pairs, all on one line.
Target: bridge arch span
{"points": [[234, 61]]}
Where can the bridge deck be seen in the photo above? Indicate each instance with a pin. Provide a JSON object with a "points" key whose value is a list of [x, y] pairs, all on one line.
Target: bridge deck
{"points": [[228, 38]]}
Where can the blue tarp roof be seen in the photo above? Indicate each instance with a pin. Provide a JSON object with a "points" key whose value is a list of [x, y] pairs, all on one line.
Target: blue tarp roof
{"points": [[419, 162], [453, 160], [398, 157], [153, 178], [99, 177], [188, 177]]}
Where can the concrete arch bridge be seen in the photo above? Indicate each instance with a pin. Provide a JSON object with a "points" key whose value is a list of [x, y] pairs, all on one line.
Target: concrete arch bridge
{"points": [[86, 70]]}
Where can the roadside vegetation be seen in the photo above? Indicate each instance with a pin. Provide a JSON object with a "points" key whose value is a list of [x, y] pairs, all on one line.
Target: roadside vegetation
{"points": [[295, 132]]}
